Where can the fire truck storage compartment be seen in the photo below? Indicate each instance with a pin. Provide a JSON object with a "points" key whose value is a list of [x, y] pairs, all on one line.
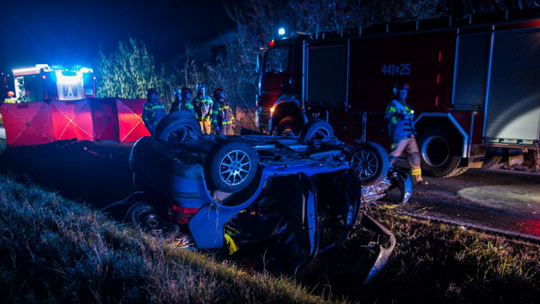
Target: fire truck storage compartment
{"points": [[31, 86], [327, 75], [380, 62], [513, 106], [471, 66]]}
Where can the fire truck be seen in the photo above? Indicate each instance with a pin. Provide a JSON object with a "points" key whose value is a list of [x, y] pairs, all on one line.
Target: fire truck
{"points": [[475, 88], [42, 82]]}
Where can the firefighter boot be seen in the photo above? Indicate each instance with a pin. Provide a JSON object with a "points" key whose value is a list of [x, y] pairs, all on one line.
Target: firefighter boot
{"points": [[418, 180]]}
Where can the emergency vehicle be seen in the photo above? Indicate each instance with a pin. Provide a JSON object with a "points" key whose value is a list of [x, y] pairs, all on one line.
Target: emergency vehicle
{"points": [[475, 88], [43, 82]]}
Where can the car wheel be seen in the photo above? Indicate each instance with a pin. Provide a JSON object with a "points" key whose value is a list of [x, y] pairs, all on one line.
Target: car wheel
{"points": [[231, 166], [288, 126], [369, 163], [317, 129], [143, 216], [179, 126], [438, 157]]}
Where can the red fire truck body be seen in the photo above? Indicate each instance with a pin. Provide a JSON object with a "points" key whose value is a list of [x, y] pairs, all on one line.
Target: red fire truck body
{"points": [[473, 88], [44, 82]]}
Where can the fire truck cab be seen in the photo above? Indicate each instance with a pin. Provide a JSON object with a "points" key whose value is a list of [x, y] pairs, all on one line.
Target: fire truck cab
{"points": [[474, 88]]}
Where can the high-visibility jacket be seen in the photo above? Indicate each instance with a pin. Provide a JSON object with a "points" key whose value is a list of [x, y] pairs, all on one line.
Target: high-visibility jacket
{"points": [[400, 119], [204, 104], [183, 105], [153, 112], [221, 115]]}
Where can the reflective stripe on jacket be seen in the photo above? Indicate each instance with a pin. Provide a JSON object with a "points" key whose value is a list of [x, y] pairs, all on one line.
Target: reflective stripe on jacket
{"points": [[400, 119], [204, 104], [221, 114], [153, 112], [183, 105]]}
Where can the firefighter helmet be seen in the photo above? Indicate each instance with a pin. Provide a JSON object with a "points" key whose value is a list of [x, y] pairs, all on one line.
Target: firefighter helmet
{"points": [[177, 92], [201, 86], [219, 94], [185, 91], [400, 86], [150, 92]]}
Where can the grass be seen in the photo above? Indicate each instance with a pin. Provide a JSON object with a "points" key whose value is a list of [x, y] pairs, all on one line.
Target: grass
{"points": [[57, 251], [436, 262]]}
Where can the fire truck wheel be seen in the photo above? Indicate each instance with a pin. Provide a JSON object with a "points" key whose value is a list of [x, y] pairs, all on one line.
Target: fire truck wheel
{"points": [[317, 129], [370, 163], [179, 126], [288, 126], [231, 166], [438, 154], [143, 216]]}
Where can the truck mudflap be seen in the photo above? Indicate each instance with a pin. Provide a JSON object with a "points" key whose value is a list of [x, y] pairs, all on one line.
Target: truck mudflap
{"points": [[377, 252]]}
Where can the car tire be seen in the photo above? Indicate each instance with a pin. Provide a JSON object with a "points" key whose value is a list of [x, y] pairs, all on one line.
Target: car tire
{"points": [[288, 126], [317, 129], [369, 162], [438, 157], [177, 127], [231, 166], [143, 216]]}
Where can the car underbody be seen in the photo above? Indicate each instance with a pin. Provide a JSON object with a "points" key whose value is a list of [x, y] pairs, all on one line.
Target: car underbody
{"points": [[283, 199]]}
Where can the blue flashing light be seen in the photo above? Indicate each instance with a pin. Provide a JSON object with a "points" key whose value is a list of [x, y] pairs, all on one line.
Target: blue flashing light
{"points": [[281, 31]]}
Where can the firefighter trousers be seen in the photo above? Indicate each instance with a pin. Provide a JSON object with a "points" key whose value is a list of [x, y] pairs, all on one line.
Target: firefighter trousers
{"points": [[410, 147], [205, 126], [227, 130]]}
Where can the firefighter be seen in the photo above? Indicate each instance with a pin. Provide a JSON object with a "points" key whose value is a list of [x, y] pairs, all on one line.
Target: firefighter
{"points": [[400, 119], [153, 110], [11, 98], [222, 116], [182, 101], [203, 105]]}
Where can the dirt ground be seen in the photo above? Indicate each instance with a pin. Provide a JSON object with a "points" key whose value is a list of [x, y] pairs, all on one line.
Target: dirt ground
{"points": [[499, 200], [95, 172]]}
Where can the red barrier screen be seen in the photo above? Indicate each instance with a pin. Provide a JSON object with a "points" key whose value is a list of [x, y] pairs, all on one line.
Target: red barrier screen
{"points": [[27, 124], [130, 121], [41, 122]]}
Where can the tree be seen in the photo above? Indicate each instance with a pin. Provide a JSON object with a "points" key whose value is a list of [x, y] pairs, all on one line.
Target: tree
{"points": [[235, 72], [187, 69], [129, 72]]}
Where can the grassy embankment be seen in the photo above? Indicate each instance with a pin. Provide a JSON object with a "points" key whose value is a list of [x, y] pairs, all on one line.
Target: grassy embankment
{"points": [[55, 250]]}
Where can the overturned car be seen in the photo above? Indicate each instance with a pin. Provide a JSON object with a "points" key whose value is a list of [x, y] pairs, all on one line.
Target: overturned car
{"points": [[287, 199]]}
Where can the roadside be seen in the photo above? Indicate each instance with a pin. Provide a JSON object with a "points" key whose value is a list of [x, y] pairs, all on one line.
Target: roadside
{"points": [[501, 201]]}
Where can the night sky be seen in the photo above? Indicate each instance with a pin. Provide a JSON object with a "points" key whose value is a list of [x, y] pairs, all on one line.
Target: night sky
{"points": [[69, 32]]}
